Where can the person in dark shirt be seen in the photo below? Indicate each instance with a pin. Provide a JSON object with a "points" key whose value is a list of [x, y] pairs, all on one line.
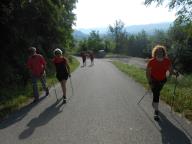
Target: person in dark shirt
{"points": [[62, 70], [83, 56], [91, 56]]}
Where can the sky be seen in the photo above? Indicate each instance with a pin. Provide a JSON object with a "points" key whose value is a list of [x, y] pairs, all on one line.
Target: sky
{"points": [[102, 13]]}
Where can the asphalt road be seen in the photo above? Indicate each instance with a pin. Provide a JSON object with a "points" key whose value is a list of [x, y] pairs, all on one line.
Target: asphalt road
{"points": [[102, 109]]}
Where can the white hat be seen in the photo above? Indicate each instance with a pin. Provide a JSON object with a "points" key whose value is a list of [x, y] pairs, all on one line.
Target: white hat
{"points": [[57, 51], [32, 50]]}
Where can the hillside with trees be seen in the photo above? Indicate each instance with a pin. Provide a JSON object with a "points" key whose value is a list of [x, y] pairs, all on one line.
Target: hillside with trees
{"points": [[177, 38], [47, 24]]}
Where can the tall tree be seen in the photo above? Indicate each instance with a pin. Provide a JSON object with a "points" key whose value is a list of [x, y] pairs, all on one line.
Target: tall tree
{"points": [[181, 47], [119, 34], [183, 7], [45, 24], [94, 41]]}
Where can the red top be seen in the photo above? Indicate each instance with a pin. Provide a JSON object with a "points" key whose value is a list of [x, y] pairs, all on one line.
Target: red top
{"points": [[36, 63], [60, 65], [158, 69], [59, 60]]}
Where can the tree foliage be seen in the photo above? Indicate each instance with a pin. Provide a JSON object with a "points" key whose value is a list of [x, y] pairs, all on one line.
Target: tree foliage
{"points": [[45, 24], [180, 34], [119, 35], [93, 43], [183, 7]]}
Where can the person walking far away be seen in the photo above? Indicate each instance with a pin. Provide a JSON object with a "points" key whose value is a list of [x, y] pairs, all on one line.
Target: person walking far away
{"points": [[36, 65], [157, 68], [91, 56], [62, 70], [83, 56]]}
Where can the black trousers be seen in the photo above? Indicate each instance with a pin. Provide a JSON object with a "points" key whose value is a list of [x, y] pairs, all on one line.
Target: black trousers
{"points": [[156, 87]]}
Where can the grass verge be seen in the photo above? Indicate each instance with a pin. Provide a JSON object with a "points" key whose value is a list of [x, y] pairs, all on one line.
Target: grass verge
{"points": [[14, 98], [183, 93]]}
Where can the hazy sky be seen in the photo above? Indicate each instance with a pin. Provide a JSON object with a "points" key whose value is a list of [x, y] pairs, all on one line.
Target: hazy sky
{"points": [[102, 13]]}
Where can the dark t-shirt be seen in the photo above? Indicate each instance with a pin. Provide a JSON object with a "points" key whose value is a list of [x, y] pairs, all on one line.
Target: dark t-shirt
{"points": [[60, 65]]}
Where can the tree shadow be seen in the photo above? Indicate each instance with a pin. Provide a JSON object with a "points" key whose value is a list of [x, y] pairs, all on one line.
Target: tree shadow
{"points": [[42, 119], [18, 115], [170, 133]]}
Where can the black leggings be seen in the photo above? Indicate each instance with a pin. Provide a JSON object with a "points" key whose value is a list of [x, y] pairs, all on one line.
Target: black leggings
{"points": [[156, 87]]}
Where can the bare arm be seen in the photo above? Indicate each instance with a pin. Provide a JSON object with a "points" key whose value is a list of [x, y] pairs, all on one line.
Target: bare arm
{"points": [[148, 74]]}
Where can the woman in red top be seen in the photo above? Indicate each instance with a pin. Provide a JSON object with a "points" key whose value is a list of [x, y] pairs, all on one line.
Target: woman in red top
{"points": [[62, 70], [157, 68]]}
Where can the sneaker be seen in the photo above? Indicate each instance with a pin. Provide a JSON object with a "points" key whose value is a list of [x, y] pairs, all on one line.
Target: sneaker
{"points": [[47, 92], [35, 100], [64, 99], [156, 115]]}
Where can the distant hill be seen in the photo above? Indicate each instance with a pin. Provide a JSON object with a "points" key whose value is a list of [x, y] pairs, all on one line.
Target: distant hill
{"points": [[102, 30], [134, 29], [149, 28], [79, 35]]}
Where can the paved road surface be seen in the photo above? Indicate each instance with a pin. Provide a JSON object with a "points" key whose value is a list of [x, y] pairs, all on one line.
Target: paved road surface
{"points": [[102, 110], [136, 61]]}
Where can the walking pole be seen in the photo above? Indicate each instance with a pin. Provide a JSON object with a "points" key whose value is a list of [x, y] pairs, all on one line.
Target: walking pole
{"points": [[71, 85], [55, 90], [70, 79], [143, 96], [148, 90], [173, 99]]}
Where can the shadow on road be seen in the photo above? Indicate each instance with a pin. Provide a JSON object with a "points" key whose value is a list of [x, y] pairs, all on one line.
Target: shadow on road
{"points": [[170, 133], [42, 119], [18, 115]]}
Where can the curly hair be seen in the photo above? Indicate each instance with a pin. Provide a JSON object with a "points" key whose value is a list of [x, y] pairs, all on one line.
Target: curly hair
{"points": [[159, 47]]}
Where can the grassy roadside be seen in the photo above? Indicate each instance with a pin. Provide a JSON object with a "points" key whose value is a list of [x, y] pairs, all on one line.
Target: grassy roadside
{"points": [[19, 97], [183, 97]]}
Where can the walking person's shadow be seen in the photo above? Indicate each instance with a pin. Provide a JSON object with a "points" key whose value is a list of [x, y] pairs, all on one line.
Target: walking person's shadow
{"points": [[42, 119], [18, 115], [170, 133]]}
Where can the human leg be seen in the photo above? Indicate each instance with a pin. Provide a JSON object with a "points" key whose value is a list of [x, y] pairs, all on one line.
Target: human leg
{"points": [[63, 86], [156, 89], [35, 88]]}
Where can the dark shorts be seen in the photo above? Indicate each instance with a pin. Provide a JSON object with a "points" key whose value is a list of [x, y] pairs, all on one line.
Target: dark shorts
{"points": [[62, 76]]}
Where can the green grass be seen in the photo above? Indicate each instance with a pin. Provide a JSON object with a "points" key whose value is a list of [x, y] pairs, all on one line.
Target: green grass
{"points": [[183, 93], [16, 97]]}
